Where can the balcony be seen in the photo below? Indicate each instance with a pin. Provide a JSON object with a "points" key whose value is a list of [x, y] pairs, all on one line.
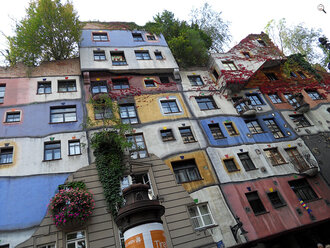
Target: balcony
{"points": [[304, 164], [243, 107], [299, 103]]}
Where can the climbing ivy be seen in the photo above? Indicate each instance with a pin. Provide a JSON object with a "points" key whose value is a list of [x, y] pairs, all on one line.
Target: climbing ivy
{"points": [[73, 185]]}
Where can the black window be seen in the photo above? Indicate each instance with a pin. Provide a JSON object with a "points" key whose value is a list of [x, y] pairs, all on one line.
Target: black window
{"points": [[255, 99], [185, 171], [52, 150], [99, 87], [138, 148], [239, 104], [216, 131], [102, 112], [272, 126], [254, 126], [230, 128], [215, 74], [120, 83], [230, 165], [292, 74], [195, 80], [262, 43], [63, 114], [292, 100], [137, 37], [13, 117], [300, 120], [164, 80], [229, 65], [128, 114], [159, 55], [167, 135], [255, 202], [100, 37], [205, 102], [99, 55], [271, 76], [187, 135], [303, 190], [6, 155], [169, 106], [149, 83], [142, 55], [301, 74], [118, 58], [2, 92], [43, 88], [151, 37], [74, 147], [275, 98], [276, 199], [314, 94], [247, 55], [67, 86], [246, 161]]}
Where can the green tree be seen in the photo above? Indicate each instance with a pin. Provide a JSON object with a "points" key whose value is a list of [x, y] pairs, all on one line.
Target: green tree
{"points": [[50, 31]]}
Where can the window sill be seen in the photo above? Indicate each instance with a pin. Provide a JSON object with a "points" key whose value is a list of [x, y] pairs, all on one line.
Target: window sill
{"points": [[284, 205], [61, 122], [52, 160], [220, 138], [190, 142], [280, 164], [101, 60], [169, 140], [119, 65], [66, 91], [6, 163], [258, 214], [143, 59], [200, 229], [252, 169], [313, 200], [44, 93], [191, 181], [233, 171], [71, 155], [208, 109]]}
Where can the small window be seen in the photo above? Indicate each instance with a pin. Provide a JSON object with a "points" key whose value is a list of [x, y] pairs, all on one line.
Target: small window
{"points": [[99, 55], [137, 37], [185, 171], [275, 98], [99, 87], [74, 147], [255, 99], [138, 148], [63, 114], [13, 117], [291, 100], [201, 216], [274, 156], [43, 88], [246, 55], [151, 37], [229, 65], [262, 43], [216, 131], [169, 106], [215, 74], [271, 76], [246, 161], [128, 114], [276, 199], [118, 58], [2, 92], [76, 240], [231, 129], [164, 80], [255, 202], [67, 86], [301, 74], [293, 75], [101, 112], [142, 55], [52, 150], [206, 102], [314, 94], [230, 165], [149, 83], [254, 126], [6, 155], [187, 135], [47, 246], [120, 83], [303, 190], [167, 135], [195, 80], [239, 104], [159, 55], [100, 37], [273, 127], [300, 120]]}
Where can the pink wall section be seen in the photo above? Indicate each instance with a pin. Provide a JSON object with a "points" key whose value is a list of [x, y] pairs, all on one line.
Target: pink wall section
{"points": [[16, 91], [276, 220]]}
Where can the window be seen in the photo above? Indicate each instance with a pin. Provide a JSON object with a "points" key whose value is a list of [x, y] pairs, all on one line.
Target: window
{"points": [[293, 75], [63, 114], [2, 92], [300, 120], [195, 80], [185, 171], [297, 160], [246, 161], [274, 156], [229, 65], [255, 99], [216, 131], [246, 55], [138, 178], [206, 102], [276, 199], [76, 240], [215, 74], [169, 106], [142, 55], [275, 98], [118, 58], [201, 216], [187, 135], [120, 83], [271, 76], [74, 147], [52, 150], [255, 202], [261, 43], [254, 126], [291, 100], [272, 126], [314, 94], [151, 37], [13, 117], [100, 37], [67, 86], [99, 55], [128, 114], [149, 83], [301, 74], [159, 55], [99, 87], [43, 88], [101, 111], [230, 128], [6, 155], [164, 80], [230, 165], [167, 135], [137, 37], [303, 190], [138, 149], [47, 246], [239, 104]]}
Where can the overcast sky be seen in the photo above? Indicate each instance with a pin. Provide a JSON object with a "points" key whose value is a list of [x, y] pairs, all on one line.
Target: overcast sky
{"points": [[245, 16]]}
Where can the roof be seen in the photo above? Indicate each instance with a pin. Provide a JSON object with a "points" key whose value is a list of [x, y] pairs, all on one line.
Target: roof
{"points": [[110, 25]]}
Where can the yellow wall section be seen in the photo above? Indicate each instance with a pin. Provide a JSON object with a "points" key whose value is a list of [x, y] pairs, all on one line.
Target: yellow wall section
{"points": [[204, 167], [15, 152], [148, 107], [90, 114]]}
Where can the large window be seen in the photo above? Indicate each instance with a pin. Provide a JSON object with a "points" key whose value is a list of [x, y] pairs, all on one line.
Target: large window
{"points": [[169, 106], [291, 100], [201, 216], [274, 156], [67, 86], [229, 65], [230, 165], [187, 135], [52, 150], [2, 92], [255, 99], [303, 190], [272, 126], [275, 98], [128, 114], [13, 117], [137, 37], [185, 171], [254, 126], [314, 94], [99, 87], [63, 114], [246, 161], [74, 147], [138, 148], [99, 55], [167, 135], [120, 83], [195, 80], [142, 55], [76, 240], [216, 131], [205, 102], [6, 155], [296, 159], [255, 202], [118, 58], [231, 129], [300, 120], [44, 88], [276, 199], [100, 37]]}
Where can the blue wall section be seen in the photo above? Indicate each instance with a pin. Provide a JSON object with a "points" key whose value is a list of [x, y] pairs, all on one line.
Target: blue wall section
{"points": [[35, 120], [24, 200], [266, 137], [118, 38]]}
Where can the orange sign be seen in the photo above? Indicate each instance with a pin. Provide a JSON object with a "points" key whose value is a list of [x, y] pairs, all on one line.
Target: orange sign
{"points": [[135, 241], [158, 239]]}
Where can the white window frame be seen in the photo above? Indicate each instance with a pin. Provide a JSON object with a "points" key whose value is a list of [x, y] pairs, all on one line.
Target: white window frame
{"points": [[74, 147], [75, 241], [200, 215], [170, 99], [129, 181], [49, 245]]}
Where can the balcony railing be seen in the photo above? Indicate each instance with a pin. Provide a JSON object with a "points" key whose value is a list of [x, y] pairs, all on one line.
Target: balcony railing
{"points": [[304, 164], [300, 104], [244, 108]]}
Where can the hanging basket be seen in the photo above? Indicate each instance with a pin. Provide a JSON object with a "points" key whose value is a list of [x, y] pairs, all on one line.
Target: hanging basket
{"points": [[71, 225]]}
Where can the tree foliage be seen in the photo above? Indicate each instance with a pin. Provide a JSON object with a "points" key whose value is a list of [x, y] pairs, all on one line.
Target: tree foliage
{"points": [[50, 31]]}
